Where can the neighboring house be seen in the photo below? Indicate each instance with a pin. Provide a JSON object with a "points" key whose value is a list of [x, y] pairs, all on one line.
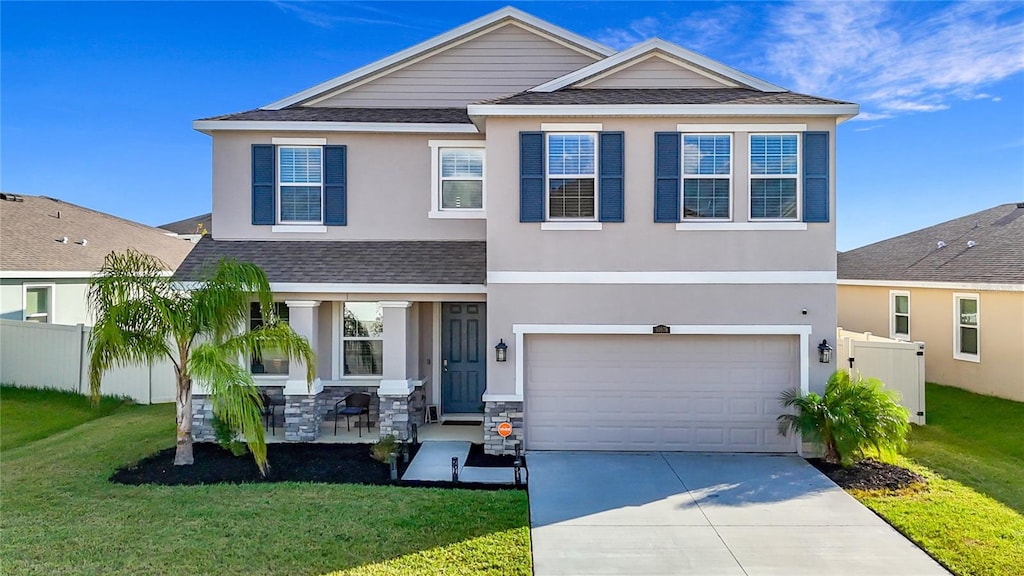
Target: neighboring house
{"points": [[956, 286], [647, 237], [191, 229], [49, 249]]}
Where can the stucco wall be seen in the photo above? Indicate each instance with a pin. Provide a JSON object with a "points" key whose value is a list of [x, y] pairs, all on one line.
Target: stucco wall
{"points": [[70, 304], [1001, 369]]}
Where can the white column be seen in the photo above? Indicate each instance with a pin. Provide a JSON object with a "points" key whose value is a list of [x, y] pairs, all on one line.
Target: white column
{"points": [[303, 318], [396, 379]]}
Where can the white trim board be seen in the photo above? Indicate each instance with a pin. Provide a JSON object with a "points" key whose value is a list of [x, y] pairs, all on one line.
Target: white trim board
{"points": [[846, 111], [287, 126], [353, 288], [701, 128], [55, 274], [978, 286], [804, 331], [451, 37], [666, 277], [698, 226]]}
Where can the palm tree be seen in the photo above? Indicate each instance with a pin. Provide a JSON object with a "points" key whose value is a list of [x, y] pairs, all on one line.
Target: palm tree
{"points": [[850, 417], [144, 315]]}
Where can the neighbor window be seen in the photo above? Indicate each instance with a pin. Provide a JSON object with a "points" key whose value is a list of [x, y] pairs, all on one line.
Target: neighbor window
{"points": [[363, 339], [462, 178], [968, 323], [39, 304], [774, 173], [300, 184], [268, 360], [707, 175], [572, 176], [899, 315]]}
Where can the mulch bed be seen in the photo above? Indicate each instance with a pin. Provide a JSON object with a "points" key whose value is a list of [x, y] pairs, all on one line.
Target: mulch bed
{"points": [[479, 459], [868, 474], [289, 462]]}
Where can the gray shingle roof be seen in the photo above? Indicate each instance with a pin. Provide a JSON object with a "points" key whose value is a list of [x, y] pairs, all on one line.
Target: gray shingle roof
{"points": [[31, 234], [320, 114], [361, 262], [739, 96], [996, 257], [190, 225]]}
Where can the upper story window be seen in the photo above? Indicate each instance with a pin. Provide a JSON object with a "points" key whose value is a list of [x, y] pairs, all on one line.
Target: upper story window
{"points": [[571, 176], [967, 323], [39, 304], [300, 184], [462, 178], [899, 315], [363, 339], [268, 360], [774, 176], [707, 176]]}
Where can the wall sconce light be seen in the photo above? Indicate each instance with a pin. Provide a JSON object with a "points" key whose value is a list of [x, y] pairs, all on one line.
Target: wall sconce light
{"points": [[824, 352], [501, 351]]}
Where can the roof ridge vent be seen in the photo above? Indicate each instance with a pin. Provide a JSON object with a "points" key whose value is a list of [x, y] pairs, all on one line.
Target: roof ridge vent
{"points": [[940, 244], [11, 197], [63, 239]]}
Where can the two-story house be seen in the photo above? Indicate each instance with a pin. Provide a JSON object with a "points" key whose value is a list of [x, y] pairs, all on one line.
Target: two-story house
{"points": [[626, 250]]}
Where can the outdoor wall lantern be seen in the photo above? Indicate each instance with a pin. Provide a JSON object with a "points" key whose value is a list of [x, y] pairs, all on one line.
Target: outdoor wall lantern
{"points": [[824, 352], [501, 351]]}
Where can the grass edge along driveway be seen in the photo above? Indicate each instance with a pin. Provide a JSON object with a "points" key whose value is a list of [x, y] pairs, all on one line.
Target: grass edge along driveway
{"points": [[61, 515]]}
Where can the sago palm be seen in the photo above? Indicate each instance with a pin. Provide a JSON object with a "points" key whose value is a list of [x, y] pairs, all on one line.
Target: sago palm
{"points": [[144, 315], [850, 417]]}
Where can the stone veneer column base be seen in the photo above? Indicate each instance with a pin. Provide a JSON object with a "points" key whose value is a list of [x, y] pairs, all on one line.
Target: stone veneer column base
{"points": [[302, 417], [398, 413], [495, 413], [202, 419]]}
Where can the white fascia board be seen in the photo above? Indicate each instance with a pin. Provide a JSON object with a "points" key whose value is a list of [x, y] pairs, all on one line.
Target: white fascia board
{"points": [[355, 288], [208, 126], [979, 286], [650, 46], [574, 110], [696, 329], [56, 274], [666, 277], [438, 41]]}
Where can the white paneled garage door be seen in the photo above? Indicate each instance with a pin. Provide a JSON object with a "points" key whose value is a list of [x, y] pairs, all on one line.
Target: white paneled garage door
{"points": [[658, 392]]}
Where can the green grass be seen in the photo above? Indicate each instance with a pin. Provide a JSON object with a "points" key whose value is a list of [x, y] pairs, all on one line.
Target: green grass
{"points": [[971, 514], [62, 516], [28, 414]]}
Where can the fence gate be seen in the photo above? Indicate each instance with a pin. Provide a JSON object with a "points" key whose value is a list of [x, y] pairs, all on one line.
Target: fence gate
{"points": [[899, 365]]}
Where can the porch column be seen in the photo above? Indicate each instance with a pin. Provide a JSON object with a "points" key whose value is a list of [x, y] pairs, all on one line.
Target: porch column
{"points": [[397, 383], [301, 412]]}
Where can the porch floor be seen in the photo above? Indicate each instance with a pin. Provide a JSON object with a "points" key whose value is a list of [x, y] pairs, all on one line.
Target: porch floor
{"points": [[455, 432], [425, 432]]}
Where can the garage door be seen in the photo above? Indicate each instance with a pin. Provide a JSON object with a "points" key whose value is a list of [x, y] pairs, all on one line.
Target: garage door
{"points": [[658, 392]]}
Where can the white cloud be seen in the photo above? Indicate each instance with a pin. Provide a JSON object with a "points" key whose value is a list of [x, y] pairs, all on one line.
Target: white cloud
{"points": [[327, 19], [697, 31]]}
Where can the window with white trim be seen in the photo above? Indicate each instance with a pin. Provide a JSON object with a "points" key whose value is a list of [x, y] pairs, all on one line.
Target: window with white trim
{"points": [[268, 360], [300, 184], [967, 333], [39, 304], [363, 339], [774, 176], [571, 176], [899, 315], [707, 176], [461, 174]]}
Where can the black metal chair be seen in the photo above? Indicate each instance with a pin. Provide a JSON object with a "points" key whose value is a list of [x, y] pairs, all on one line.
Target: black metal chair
{"points": [[269, 411], [356, 405]]}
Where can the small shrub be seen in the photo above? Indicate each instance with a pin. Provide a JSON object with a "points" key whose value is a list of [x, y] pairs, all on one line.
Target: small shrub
{"points": [[227, 437], [851, 417], [384, 448]]}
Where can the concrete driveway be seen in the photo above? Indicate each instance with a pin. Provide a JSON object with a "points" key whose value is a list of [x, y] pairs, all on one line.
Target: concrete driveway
{"points": [[595, 513]]}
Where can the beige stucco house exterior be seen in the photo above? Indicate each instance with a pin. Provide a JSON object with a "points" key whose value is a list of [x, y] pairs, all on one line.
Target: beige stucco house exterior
{"points": [[957, 286], [647, 236]]}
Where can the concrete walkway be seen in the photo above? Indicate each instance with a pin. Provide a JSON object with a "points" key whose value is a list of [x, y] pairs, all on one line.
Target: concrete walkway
{"points": [[433, 461], [674, 513]]}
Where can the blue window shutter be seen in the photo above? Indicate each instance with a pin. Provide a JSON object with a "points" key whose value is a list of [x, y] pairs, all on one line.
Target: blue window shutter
{"points": [[531, 176], [335, 186], [263, 184], [667, 170], [816, 207], [610, 190]]}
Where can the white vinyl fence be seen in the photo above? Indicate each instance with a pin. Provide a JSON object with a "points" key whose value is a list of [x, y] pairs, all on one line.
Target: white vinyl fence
{"points": [[54, 356], [898, 364]]}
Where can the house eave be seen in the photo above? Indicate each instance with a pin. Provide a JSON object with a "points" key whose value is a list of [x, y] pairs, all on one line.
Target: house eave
{"points": [[210, 126], [976, 286], [839, 111]]}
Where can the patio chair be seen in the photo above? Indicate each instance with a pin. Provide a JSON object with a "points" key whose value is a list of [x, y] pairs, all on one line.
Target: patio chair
{"points": [[269, 411], [356, 405]]}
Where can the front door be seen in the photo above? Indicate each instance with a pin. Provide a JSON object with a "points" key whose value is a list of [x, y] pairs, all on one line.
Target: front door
{"points": [[463, 357]]}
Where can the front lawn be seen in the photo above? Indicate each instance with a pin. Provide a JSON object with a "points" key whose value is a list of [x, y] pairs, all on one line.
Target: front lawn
{"points": [[971, 514], [61, 515], [28, 414]]}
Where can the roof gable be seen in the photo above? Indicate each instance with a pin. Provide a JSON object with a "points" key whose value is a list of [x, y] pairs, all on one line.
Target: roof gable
{"points": [[691, 65], [658, 71], [586, 49]]}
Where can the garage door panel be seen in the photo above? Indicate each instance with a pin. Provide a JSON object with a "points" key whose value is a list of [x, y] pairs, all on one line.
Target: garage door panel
{"points": [[707, 393]]}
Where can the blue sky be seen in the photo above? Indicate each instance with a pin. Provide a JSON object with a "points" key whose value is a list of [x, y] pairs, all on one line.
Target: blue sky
{"points": [[97, 99]]}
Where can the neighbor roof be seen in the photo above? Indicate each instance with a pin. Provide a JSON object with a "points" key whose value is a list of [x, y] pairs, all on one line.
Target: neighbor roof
{"points": [[617, 96], [323, 114], [35, 228], [357, 262], [996, 256], [202, 223]]}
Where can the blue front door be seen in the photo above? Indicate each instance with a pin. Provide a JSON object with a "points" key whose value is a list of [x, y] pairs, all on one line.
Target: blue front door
{"points": [[463, 357]]}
